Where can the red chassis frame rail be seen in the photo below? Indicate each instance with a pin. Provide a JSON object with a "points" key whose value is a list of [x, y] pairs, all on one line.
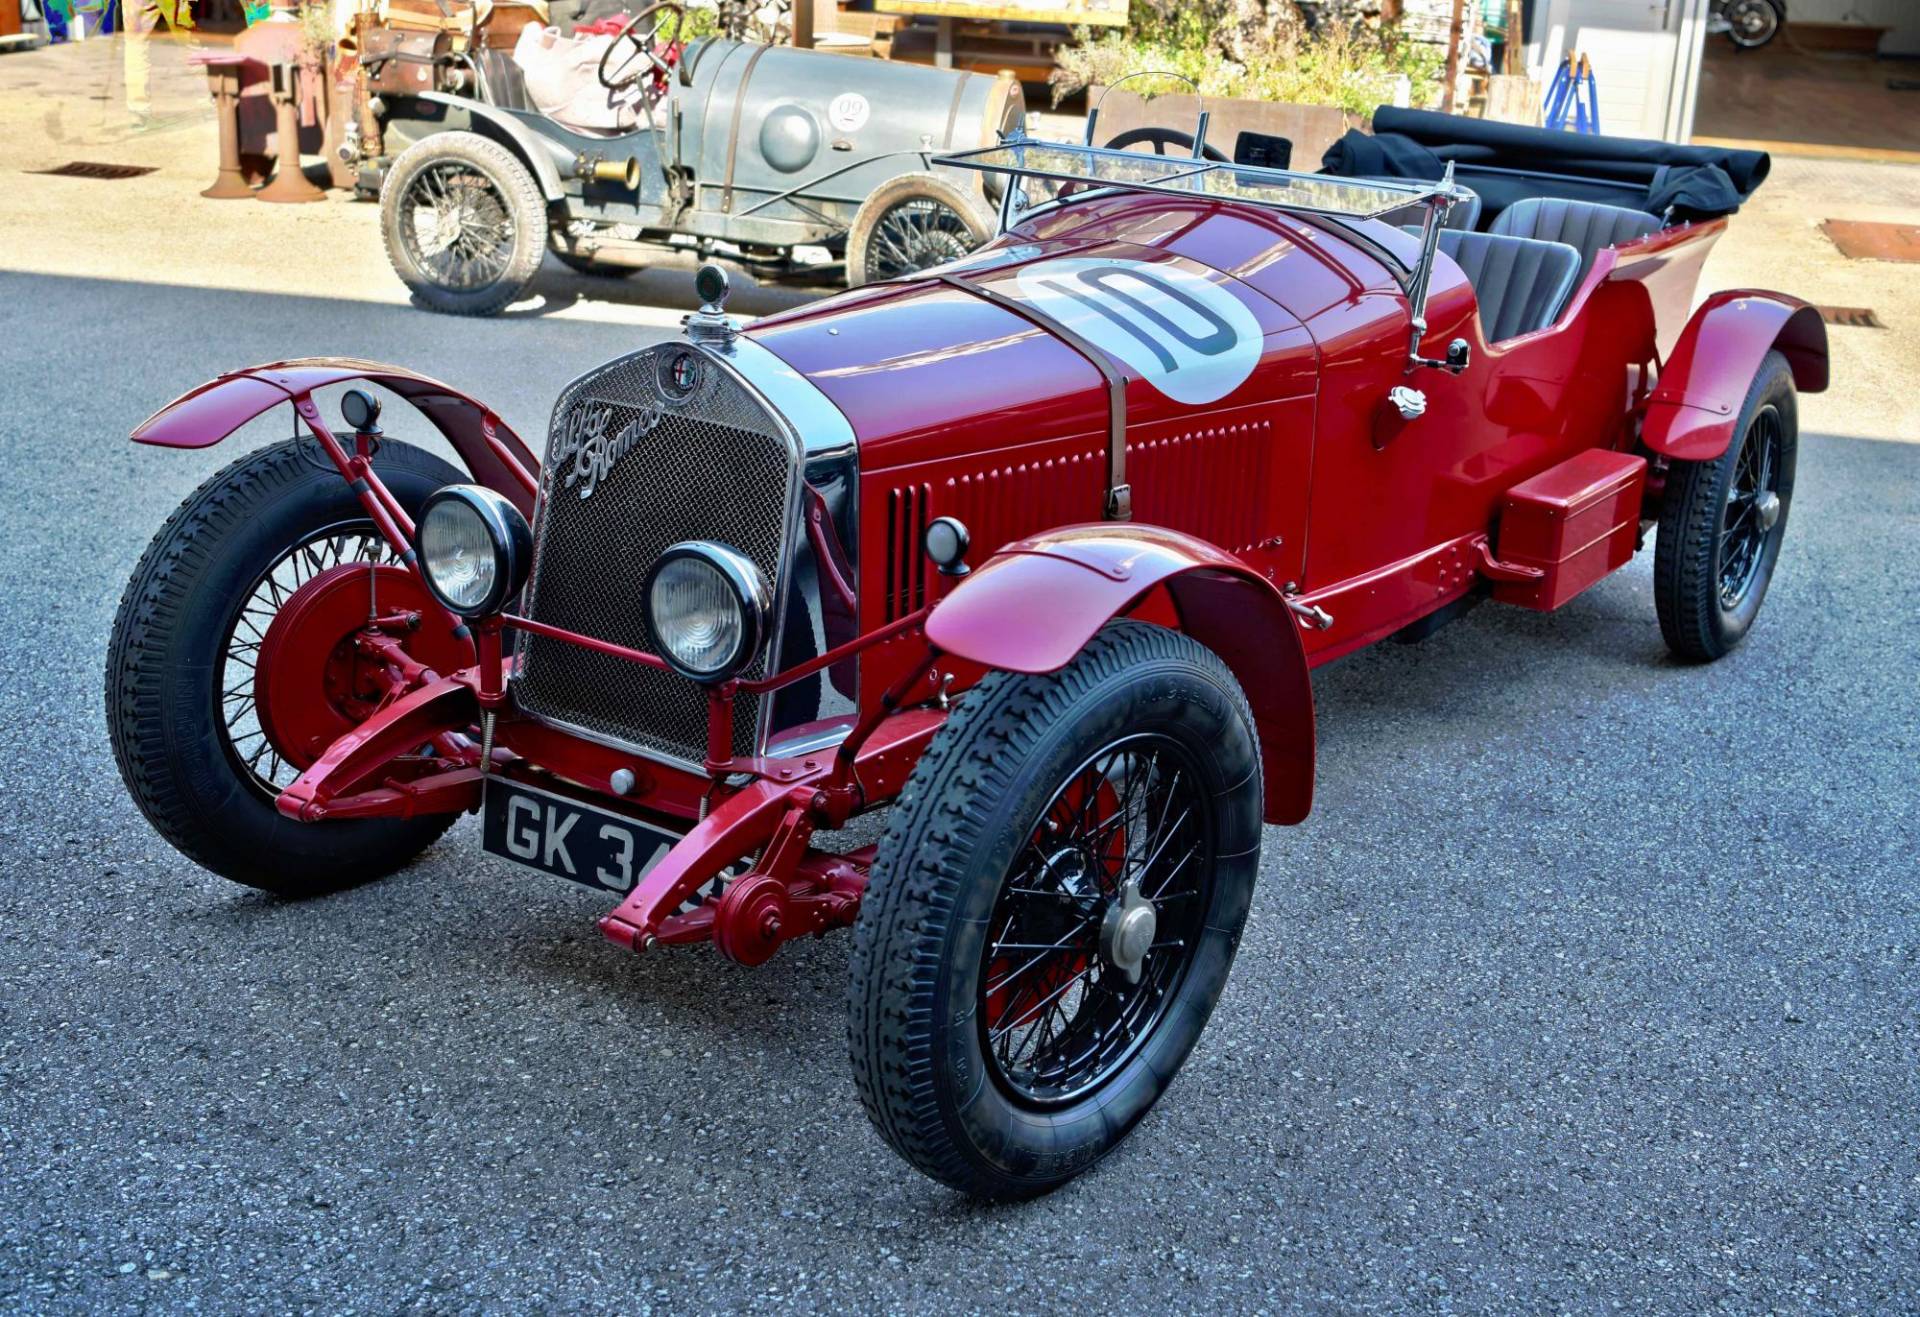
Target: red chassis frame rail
{"points": [[377, 771]]}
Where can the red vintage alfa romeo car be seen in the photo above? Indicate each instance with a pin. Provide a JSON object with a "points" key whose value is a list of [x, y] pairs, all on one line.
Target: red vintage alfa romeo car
{"points": [[1038, 548]]}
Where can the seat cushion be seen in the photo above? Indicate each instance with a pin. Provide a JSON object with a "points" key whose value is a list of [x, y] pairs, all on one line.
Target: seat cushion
{"points": [[1520, 283], [1586, 226]]}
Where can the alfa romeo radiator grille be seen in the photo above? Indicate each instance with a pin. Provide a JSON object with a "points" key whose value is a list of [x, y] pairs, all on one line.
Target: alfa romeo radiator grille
{"points": [[649, 450]]}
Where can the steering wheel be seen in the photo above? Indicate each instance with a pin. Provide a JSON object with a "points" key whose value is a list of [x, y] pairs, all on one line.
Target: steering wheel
{"points": [[1162, 138], [638, 39]]}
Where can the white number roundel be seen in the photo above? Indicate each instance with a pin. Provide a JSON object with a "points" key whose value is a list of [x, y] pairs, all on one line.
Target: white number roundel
{"points": [[1188, 337], [848, 112]]}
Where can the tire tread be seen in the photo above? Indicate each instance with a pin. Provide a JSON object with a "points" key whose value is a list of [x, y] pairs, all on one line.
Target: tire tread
{"points": [[936, 823], [153, 605]]}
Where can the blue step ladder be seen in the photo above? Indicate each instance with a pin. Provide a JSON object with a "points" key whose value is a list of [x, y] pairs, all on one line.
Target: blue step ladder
{"points": [[1574, 92]]}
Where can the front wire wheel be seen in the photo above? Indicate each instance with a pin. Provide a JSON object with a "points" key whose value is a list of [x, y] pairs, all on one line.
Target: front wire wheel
{"points": [[248, 744], [1096, 921], [181, 669], [465, 223], [1053, 911], [909, 224]]}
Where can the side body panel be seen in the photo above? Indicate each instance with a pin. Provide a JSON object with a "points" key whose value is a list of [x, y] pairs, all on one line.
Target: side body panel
{"points": [[966, 409], [1395, 504], [759, 121]]}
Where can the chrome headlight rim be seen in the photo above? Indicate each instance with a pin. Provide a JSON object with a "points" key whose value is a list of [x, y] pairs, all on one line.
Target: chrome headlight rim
{"points": [[507, 530], [752, 595]]}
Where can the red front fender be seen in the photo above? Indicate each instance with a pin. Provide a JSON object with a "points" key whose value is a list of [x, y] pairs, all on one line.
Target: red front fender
{"points": [[204, 416], [1037, 602], [1696, 402]]}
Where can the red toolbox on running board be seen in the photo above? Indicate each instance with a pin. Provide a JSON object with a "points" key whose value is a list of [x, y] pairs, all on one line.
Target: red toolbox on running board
{"points": [[1576, 522]]}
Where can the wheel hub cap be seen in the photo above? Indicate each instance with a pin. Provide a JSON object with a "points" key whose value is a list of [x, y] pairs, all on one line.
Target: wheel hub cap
{"points": [[1767, 509], [1127, 931]]}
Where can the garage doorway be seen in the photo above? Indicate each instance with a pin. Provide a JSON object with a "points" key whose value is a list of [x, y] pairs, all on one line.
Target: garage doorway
{"points": [[1805, 95]]}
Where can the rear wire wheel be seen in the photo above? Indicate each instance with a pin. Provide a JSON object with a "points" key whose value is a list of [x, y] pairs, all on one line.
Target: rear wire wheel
{"points": [[181, 668], [1723, 521], [1053, 911]]}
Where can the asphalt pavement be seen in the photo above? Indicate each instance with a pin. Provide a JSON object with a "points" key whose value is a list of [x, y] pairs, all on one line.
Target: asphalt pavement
{"points": [[1590, 984]]}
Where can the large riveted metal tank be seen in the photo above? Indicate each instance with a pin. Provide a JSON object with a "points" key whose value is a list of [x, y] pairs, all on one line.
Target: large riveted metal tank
{"points": [[762, 121]]}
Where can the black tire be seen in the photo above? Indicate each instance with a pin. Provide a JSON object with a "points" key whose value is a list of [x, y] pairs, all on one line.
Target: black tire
{"points": [[921, 1010], [165, 715], [497, 193], [912, 223], [1705, 589], [1751, 24]]}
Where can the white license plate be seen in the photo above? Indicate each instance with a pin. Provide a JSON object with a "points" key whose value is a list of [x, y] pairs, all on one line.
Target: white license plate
{"points": [[603, 850]]}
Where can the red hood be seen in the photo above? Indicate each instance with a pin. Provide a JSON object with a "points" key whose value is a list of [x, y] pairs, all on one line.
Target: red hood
{"points": [[924, 370]]}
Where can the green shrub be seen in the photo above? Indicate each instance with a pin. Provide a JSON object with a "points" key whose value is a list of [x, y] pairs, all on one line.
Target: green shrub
{"points": [[1259, 56]]}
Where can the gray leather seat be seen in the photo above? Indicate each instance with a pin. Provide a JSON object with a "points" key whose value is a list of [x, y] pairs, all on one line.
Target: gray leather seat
{"points": [[1585, 226], [1520, 283]]}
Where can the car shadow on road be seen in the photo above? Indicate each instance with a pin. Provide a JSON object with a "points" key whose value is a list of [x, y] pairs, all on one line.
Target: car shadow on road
{"points": [[668, 287]]}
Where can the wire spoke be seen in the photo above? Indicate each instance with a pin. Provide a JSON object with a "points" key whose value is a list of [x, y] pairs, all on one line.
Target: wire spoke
{"points": [[1058, 1016], [235, 677]]}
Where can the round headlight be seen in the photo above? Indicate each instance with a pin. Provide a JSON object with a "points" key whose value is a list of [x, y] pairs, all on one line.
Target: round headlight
{"points": [[475, 549], [707, 609]]}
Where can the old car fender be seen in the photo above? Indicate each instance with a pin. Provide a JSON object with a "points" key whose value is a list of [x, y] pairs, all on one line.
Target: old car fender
{"points": [[536, 150], [1696, 401], [1036, 603], [205, 415]]}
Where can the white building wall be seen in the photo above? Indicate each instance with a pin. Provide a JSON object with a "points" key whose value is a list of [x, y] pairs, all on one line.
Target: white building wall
{"points": [[1645, 56], [1901, 18]]}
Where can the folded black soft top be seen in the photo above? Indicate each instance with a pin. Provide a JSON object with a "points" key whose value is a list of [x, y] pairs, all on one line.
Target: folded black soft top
{"points": [[1693, 181]]}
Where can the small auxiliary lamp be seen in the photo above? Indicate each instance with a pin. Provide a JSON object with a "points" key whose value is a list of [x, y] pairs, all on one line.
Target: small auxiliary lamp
{"points": [[946, 542], [361, 411], [710, 322]]}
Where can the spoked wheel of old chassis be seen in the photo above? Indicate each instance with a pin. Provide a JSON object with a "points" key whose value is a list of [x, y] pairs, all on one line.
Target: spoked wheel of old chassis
{"points": [[234, 662], [1053, 911], [910, 224], [464, 222]]}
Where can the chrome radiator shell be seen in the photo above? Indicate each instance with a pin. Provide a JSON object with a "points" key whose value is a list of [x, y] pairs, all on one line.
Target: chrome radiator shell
{"points": [[638, 459]]}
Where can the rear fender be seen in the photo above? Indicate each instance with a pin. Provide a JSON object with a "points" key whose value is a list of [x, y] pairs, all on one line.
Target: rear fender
{"points": [[541, 154], [1036, 604], [490, 450], [1696, 402]]}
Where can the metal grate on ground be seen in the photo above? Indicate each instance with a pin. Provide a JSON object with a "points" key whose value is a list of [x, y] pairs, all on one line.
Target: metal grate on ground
{"points": [[1864, 240], [1855, 317], [94, 169]]}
